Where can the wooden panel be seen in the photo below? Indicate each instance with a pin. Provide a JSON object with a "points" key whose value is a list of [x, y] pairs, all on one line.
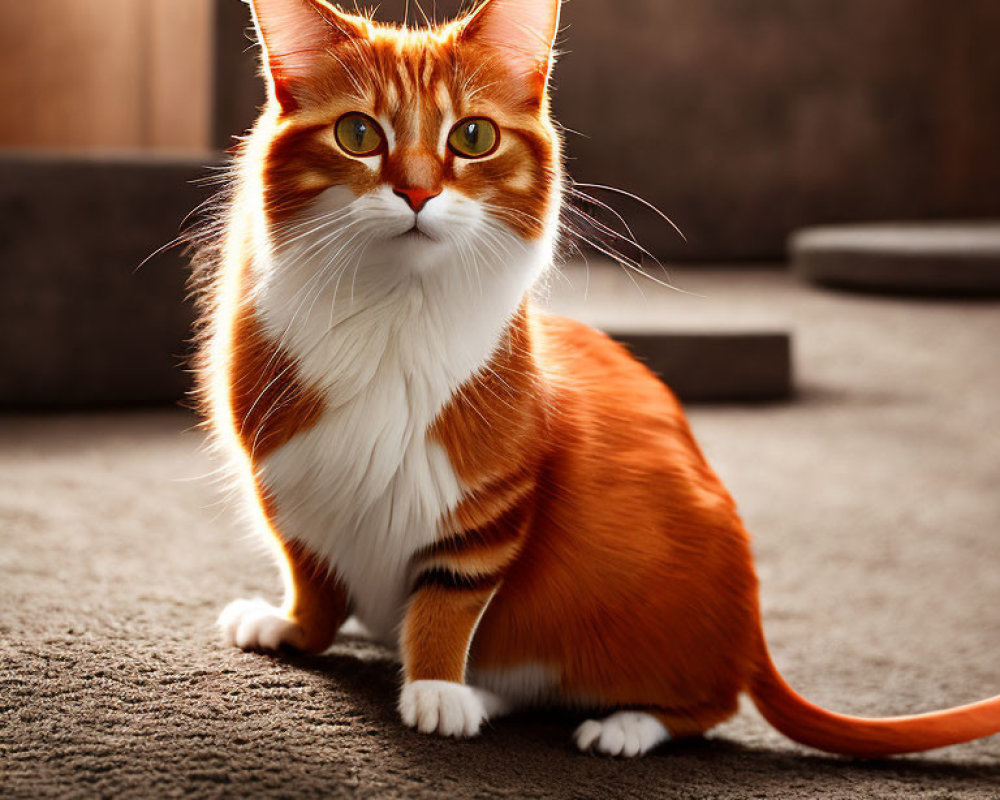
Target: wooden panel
{"points": [[238, 90], [180, 50], [54, 90], [108, 75]]}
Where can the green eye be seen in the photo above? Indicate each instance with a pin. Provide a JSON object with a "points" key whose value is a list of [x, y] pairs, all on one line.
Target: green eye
{"points": [[474, 137], [358, 134]]}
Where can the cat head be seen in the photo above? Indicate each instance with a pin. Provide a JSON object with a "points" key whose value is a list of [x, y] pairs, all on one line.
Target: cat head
{"points": [[419, 147]]}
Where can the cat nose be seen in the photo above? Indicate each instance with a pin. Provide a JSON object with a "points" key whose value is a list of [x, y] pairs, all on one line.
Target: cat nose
{"points": [[416, 197]]}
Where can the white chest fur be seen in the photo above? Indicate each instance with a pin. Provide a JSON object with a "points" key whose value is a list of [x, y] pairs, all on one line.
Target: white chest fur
{"points": [[366, 487]]}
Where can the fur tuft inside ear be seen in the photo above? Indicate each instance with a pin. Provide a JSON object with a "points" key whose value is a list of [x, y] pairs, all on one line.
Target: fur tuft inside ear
{"points": [[294, 35], [521, 31]]}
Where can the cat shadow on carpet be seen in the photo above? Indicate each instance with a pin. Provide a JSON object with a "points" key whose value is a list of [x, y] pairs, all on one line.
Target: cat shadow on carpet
{"points": [[536, 745]]}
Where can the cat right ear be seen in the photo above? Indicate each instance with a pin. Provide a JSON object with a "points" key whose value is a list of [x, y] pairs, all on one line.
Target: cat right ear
{"points": [[294, 35]]}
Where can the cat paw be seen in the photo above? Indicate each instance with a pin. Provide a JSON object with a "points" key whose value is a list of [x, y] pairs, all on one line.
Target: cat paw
{"points": [[443, 707], [625, 733], [355, 628], [257, 625]]}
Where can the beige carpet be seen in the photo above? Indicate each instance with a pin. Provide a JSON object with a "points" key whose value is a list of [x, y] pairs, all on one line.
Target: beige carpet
{"points": [[874, 501]]}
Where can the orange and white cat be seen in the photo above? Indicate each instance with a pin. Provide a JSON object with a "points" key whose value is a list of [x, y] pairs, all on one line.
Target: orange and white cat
{"points": [[506, 495]]}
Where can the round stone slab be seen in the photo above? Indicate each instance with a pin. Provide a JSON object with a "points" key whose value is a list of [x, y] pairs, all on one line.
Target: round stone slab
{"points": [[956, 258]]}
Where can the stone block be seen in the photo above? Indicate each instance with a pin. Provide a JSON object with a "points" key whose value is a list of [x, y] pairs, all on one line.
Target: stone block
{"points": [[902, 258], [81, 323], [709, 367]]}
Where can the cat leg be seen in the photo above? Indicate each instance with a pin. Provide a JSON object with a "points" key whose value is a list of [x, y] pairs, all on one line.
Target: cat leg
{"points": [[458, 577], [437, 630], [315, 606]]}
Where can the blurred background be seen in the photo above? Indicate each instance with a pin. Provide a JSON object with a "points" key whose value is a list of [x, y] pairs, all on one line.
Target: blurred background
{"points": [[834, 165], [744, 121]]}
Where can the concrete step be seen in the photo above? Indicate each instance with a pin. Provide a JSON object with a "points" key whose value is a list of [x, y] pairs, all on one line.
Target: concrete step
{"points": [[738, 366], [951, 258], [704, 348]]}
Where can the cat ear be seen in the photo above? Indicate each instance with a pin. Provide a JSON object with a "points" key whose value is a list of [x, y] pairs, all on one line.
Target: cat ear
{"points": [[521, 31], [294, 35]]}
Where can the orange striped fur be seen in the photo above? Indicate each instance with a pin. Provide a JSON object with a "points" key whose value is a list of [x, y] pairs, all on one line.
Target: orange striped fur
{"points": [[526, 510]]}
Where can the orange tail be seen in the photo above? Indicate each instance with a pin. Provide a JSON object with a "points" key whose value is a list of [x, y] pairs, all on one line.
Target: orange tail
{"points": [[811, 725]]}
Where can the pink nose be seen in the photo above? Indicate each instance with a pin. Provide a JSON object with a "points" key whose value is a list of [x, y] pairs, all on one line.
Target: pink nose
{"points": [[416, 197]]}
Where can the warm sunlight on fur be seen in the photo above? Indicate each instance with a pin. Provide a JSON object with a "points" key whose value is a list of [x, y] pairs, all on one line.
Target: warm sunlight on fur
{"points": [[507, 496]]}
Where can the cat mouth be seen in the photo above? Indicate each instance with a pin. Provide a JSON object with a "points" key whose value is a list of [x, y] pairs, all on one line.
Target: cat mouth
{"points": [[414, 234]]}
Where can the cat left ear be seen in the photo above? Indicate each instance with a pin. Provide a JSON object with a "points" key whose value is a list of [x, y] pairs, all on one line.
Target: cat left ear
{"points": [[294, 35], [522, 32]]}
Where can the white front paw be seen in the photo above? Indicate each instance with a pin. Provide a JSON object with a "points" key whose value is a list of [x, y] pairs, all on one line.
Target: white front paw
{"points": [[257, 625], [450, 709]]}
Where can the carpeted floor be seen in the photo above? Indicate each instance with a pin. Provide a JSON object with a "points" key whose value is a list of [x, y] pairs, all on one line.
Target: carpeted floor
{"points": [[874, 504]]}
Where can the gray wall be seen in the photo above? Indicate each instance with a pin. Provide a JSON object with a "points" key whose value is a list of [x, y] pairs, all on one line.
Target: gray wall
{"points": [[744, 119]]}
